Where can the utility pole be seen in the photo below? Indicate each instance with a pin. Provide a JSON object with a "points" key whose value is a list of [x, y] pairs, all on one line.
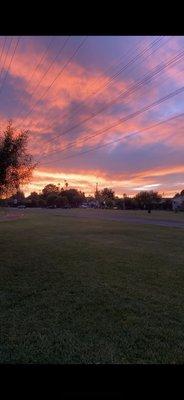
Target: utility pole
{"points": [[124, 197], [96, 194]]}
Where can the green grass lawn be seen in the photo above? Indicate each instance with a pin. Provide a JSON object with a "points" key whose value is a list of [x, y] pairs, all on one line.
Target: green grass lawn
{"points": [[90, 291]]}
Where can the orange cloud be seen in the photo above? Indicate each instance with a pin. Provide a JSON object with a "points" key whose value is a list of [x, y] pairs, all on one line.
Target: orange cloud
{"points": [[121, 183]]}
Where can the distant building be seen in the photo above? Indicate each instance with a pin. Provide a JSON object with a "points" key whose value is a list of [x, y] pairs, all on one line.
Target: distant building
{"points": [[94, 204], [178, 202], [91, 203]]}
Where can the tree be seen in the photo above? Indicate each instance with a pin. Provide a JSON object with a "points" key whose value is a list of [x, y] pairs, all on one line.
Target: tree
{"points": [[147, 199], [66, 184], [49, 189], [109, 203], [42, 202], [128, 202], [120, 203], [51, 199], [61, 201], [20, 196], [33, 195], [75, 197], [167, 204], [17, 199], [107, 197], [33, 199], [107, 194], [16, 165], [125, 202]]}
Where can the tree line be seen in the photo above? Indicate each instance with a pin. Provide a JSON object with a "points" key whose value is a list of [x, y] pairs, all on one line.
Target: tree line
{"points": [[52, 196]]}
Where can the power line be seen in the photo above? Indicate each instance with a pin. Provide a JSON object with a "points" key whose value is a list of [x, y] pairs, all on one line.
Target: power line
{"points": [[43, 56], [49, 67], [130, 62], [109, 68], [13, 54], [133, 115], [147, 78], [5, 39], [11, 39], [125, 66], [116, 75], [123, 93], [57, 76], [71, 144], [125, 137]]}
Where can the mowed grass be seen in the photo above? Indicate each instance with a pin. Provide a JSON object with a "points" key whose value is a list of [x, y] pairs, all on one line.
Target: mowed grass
{"points": [[90, 291]]}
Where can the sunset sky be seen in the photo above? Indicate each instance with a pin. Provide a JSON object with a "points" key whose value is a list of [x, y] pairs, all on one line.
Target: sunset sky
{"points": [[106, 109]]}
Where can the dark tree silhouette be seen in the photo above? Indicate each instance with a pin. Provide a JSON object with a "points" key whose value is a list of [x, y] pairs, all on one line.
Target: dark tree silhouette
{"points": [[107, 194], [147, 198], [106, 198], [16, 164], [50, 189]]}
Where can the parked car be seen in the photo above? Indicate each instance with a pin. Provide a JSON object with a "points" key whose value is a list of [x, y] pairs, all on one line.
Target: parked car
{"points": [[21, 206]]}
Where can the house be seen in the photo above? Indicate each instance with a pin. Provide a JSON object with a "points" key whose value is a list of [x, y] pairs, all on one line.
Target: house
{"points": [[93, 203], [178, 202]]}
